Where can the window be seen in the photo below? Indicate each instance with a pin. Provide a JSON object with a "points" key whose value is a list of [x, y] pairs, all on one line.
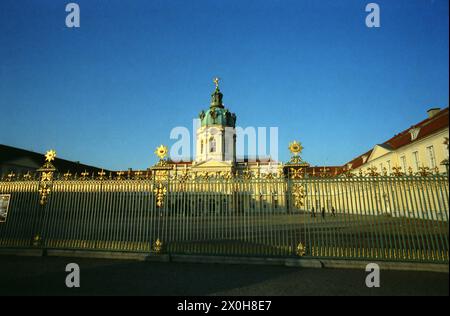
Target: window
{"points": [[403, 162], [445, 143], [431, 157], [416, 160], [388, 166], [414, 133], [212, 145]]}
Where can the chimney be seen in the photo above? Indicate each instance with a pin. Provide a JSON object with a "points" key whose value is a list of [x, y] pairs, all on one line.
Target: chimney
{"points": [[433, 111]]}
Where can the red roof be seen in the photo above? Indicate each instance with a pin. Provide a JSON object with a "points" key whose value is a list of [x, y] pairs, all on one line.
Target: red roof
{"points": [[427, 127]]}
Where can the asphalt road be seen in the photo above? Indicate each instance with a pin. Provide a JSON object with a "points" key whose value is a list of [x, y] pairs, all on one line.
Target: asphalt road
{"points": [[46, 276]]}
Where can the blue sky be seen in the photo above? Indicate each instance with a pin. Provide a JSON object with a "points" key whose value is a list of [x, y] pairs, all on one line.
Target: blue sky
{"points": [[110, 91]]}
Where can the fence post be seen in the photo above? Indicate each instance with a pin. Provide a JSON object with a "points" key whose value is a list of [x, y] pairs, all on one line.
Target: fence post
{"points": [[45, 188]]}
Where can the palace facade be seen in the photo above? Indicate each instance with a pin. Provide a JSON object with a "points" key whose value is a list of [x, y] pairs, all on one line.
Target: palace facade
{"points": [[420, 149], [215, 154]]}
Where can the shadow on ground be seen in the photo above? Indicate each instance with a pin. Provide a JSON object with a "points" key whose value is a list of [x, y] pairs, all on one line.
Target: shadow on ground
{"points": [[46, 276]]}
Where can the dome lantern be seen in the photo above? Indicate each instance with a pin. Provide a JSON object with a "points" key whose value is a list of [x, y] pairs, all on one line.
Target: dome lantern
{"points": [[217, 114], [216, 96]]}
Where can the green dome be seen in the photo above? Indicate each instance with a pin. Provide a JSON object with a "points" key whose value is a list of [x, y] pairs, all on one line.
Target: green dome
{"points": [[217, 113], [218, 116]]}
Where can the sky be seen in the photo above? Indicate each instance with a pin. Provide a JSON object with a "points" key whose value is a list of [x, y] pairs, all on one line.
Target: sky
{"points": [[109, 92]]}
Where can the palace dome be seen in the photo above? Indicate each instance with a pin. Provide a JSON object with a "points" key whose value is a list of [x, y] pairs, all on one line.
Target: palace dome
{"points": [[217, 114]]}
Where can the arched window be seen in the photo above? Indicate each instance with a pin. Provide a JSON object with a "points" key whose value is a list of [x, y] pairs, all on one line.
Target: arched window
{"points": [[212, 145]]}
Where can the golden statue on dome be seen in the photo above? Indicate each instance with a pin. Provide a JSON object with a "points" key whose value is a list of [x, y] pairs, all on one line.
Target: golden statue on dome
{"points": [[216, 82]]}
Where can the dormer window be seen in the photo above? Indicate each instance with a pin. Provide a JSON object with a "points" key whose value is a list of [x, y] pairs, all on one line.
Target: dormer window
{"points": [[349, 166], [414, 133], [364, 158]]}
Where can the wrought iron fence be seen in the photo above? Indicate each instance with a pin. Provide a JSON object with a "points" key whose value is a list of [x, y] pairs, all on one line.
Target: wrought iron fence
{"points": [[383, 217]]}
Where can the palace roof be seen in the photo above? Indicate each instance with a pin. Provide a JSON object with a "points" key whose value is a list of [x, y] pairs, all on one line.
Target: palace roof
{"points": [[217, 114], [434, 123], [12, 156]]}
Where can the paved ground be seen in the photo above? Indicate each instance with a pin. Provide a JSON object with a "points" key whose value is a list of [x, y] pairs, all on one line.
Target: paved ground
{"points": [[46, 276]]}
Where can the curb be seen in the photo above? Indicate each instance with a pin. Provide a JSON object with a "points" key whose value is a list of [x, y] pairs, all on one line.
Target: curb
{"points": [[226, 260], [386, 265], [22, 252], [94, 254], [288, 262]]}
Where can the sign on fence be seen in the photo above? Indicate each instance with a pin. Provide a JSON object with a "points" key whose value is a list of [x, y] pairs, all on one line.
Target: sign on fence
{"points": [[4, 205]]}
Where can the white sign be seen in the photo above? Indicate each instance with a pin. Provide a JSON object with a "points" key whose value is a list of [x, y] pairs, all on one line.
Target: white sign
{"points": [[4, 205]]}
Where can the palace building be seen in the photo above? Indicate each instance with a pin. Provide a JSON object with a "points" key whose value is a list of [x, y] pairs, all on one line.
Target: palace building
{"points": [[420, 149], [216, 147]]}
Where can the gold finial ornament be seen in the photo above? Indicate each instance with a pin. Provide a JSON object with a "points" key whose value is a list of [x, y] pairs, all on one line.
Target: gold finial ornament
{"points": [[397, 171], [44, 192], [296, 173], [67, 175], [50, 155], [298, 194], [301, 250], [216, 82], [162, 151], [37, 241], [157, 246], [119, 175], [101, 174], [11, 175], [46, 177], [27, 176], [160, 192], [436, 170], [424, 171], [295, 147], [372, 171]]}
